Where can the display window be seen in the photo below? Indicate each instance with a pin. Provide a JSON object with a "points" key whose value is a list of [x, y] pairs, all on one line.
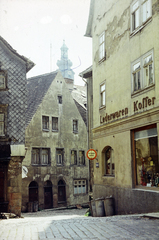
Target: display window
{"points": [[145, 154]]}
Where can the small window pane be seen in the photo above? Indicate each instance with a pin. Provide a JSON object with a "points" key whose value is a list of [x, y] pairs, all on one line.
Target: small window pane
{"points": [[45, 122], [55, 123], [35, 156], [45, 156]]}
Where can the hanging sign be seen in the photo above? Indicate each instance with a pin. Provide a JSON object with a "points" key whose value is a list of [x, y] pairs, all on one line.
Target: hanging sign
{"points": [[91, 154]]}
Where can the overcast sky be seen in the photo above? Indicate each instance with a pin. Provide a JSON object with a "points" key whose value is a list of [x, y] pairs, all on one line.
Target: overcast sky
{"points": [[32, 26]]}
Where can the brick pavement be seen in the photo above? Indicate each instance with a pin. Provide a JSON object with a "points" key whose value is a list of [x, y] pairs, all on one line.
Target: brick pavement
{"points": [[72, 224]]}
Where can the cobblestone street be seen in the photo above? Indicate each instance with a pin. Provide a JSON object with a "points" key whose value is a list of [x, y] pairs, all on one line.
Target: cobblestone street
{"points": [[72, 224]]}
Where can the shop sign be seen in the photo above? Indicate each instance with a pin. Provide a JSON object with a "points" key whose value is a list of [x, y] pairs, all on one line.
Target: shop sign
{"points": [[144, 103], [91, 154], [113, 116]]}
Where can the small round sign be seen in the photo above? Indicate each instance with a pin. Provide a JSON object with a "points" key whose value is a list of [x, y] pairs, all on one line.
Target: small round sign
{"points": [[91, 154]]}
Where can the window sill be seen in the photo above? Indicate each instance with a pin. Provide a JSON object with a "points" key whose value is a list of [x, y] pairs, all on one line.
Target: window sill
{"points": [[102, 60], [102, 108], [54, 130], [147, 189], [40, 165], [146, 89], [109, 175], [46, 130], [4, 89], [140, 27], [75, 132], [79, 194]]}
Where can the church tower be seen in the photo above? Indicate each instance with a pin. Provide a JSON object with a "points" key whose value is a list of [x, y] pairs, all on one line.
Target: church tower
{"points": [[65, 64]]}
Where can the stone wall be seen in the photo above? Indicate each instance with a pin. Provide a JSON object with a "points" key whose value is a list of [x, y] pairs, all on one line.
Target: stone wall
{"points": [[129, 201]]}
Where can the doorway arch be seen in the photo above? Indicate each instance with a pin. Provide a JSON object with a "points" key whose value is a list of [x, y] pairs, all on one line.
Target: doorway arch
{"points": [[33, 191]]}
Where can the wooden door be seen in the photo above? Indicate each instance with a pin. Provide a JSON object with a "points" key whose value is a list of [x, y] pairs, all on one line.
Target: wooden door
{"points": [[47, 197]]}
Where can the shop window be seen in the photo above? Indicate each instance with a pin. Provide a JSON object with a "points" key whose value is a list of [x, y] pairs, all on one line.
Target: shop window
{"points": [[55, 123], [75, 126], [143, 72], [60, 99], [81, 157], [45, 123], [141, 12], [146, 157], [73, 157], [40, 156], [108, 159], [102, 47], [80, 186], [102, 95], [59, 156]]}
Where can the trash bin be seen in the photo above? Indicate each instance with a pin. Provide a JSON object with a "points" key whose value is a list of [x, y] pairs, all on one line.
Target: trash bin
{"points": [[35, 206], [99, 204], [30, 206], [109, 206], [93, 208]]}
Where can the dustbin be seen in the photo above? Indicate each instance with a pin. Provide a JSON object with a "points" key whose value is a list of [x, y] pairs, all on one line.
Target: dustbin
{"points": [[30, 206], [99, 204], [109, 206], [35, 206], [93, 208]]}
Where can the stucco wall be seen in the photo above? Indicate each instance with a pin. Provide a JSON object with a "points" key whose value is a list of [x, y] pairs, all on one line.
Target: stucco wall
{"points": [[64, 138]]}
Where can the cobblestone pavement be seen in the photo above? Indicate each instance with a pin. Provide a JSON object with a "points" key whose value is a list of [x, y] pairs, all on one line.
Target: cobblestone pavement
{"points": [[72, 224]]}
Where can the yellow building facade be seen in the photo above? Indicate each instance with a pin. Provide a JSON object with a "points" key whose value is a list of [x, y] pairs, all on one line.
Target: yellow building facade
{"points": [[125, 71]]}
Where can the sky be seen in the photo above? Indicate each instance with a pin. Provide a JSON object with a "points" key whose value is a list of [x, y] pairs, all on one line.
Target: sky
{"points": [[36, 29]]}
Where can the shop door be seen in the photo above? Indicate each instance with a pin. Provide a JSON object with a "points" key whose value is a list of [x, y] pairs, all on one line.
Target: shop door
{"points": [[61, 191]]}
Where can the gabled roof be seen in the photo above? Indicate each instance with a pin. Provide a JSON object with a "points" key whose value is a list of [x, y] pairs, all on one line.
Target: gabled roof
{"points": [[90, 20], [80, 98], [37, 87], [29, 64], [86, 73]]}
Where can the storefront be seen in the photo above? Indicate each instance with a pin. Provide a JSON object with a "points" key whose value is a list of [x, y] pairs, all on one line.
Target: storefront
{"points": [[145, 156]]}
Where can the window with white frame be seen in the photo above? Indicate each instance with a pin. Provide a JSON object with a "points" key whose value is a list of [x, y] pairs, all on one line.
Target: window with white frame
{"points": [[141, 11], [102, 95], [40, 156], [81, 157], [45, 122], [143, 72], [75, 126], [59, 156], [102, 46], [55, 123], [73, 157], [1, 124], [80, 186]]}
